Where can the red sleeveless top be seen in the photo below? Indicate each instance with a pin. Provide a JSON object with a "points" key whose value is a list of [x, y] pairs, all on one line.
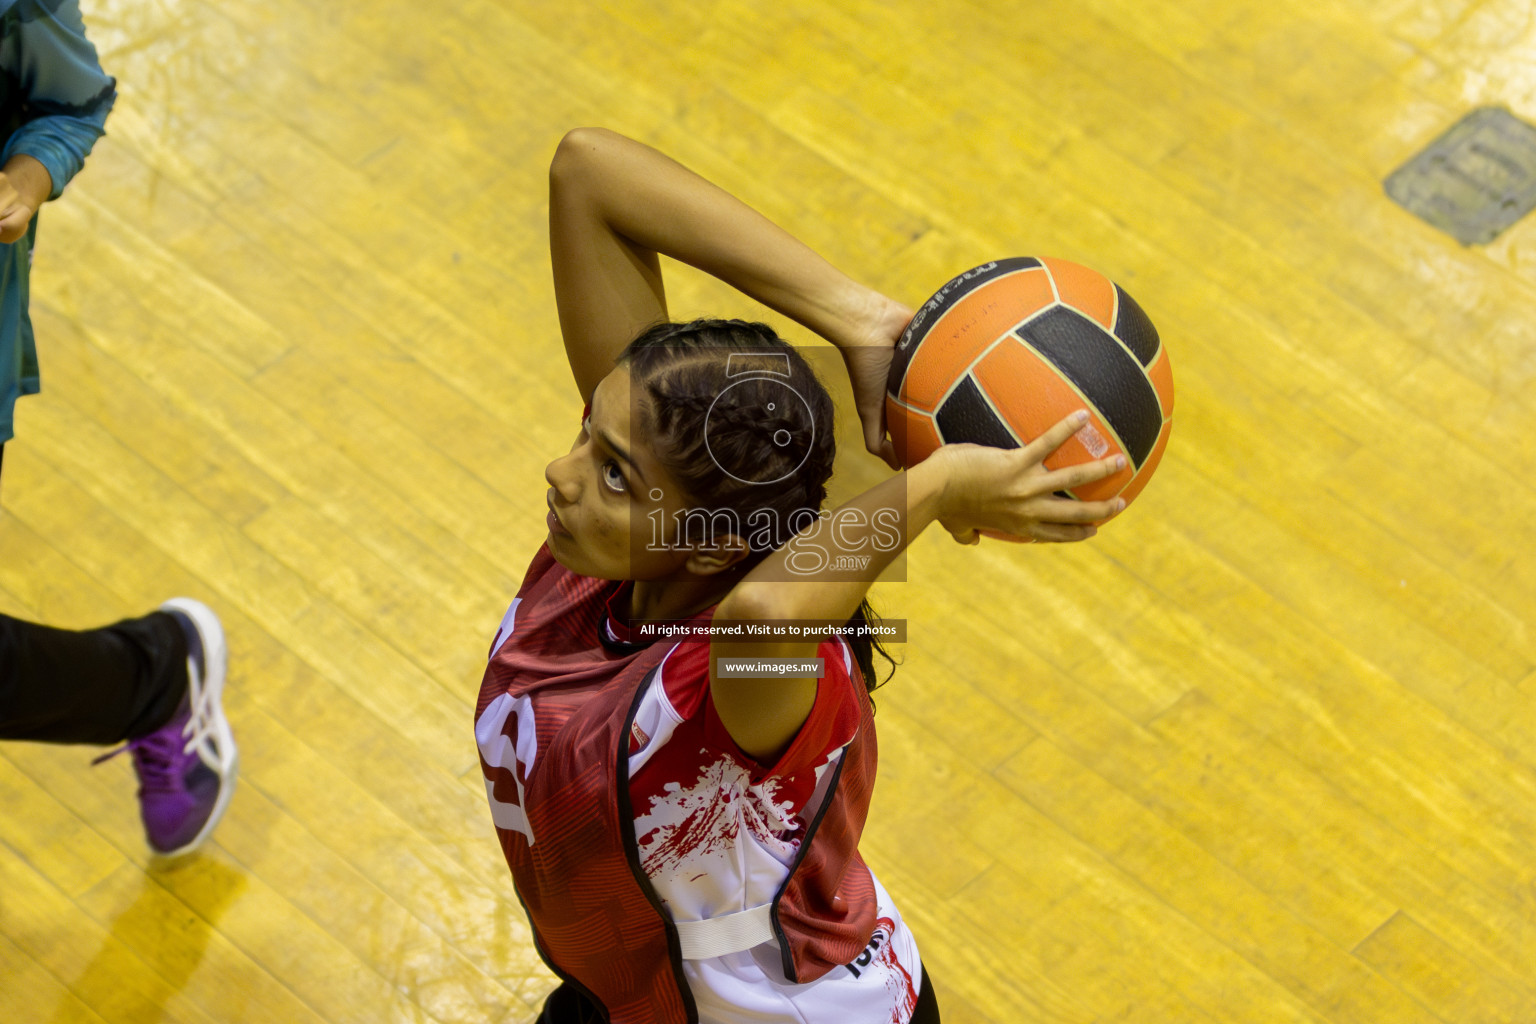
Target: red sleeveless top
{"points": [[553, 724]]}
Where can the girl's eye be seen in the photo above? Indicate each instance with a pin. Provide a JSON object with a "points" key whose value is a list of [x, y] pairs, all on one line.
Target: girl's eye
{"points": [[613, 477]]}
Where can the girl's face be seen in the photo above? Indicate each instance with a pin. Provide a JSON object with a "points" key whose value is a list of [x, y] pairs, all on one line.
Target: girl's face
{"points": [[608, 496]]}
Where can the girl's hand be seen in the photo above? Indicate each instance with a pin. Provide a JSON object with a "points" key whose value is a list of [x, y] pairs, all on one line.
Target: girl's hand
{"points": [[867, 354], [1012, 493]]}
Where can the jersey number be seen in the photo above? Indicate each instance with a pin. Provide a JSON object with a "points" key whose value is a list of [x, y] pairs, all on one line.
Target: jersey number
{"points": [[508, 739]]}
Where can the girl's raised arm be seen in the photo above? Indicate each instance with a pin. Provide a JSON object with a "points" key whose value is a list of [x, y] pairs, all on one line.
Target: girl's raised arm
{"points": [[615, 204]]}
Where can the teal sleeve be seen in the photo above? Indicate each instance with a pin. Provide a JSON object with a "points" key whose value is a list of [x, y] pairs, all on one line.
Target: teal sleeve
{"points": [[65, 95]]}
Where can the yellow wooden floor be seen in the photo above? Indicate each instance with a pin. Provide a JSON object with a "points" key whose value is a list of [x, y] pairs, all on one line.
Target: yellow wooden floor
{"points": [[1264, 751]]}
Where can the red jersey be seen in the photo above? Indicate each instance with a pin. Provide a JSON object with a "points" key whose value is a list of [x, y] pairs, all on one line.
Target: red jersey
{"points": [[663, 870]]}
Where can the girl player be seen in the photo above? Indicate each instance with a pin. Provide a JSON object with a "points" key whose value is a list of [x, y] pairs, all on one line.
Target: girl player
{"points": [[683, 838]]}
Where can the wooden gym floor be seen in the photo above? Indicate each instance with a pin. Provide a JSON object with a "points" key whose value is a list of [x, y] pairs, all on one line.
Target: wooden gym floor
{"points": [[1263, 751]]}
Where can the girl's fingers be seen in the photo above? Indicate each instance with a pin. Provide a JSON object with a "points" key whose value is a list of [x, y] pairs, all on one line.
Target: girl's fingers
{"points": [[1056, 533], [1065, 510], [1068, 477], [962, 534], [1025, 491], [1041, 447]]}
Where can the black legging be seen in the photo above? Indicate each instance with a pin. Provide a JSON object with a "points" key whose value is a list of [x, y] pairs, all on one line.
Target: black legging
{"points": [[927, 1011], [565, 1005], [94, 686]]}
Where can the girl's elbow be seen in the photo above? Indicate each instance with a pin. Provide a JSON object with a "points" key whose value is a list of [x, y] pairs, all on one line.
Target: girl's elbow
{"points": [[578, 152]]}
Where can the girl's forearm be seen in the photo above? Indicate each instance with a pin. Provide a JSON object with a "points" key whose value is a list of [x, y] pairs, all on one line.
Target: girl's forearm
{"points": [[662, 207], [824, 571]]}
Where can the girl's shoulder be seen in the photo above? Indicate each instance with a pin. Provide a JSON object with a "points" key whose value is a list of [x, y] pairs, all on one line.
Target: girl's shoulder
{"points": [[683, 692]]}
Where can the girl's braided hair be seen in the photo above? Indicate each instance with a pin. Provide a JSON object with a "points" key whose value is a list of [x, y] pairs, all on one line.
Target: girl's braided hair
{"points": [[740, 420]]}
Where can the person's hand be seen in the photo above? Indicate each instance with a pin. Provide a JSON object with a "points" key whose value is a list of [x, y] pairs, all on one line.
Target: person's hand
{"points": [[1009, 493], [24, 185], [15, 214], [868, 358]]}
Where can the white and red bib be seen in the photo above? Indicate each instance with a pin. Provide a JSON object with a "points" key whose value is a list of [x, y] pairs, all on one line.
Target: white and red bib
{"points": [[665, 872], [718, 834]]}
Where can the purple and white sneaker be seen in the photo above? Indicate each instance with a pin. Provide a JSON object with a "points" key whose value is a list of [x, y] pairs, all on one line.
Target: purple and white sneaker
{"points": [[187, 767]]}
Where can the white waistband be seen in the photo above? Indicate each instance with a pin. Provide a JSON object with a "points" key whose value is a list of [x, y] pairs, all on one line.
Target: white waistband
{"points": [[731, 933]]}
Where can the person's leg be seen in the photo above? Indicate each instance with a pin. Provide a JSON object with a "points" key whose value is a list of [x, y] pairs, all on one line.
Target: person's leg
{"points": [[927, 1011], [93, 686], [156, 681], [566, 1005]]}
